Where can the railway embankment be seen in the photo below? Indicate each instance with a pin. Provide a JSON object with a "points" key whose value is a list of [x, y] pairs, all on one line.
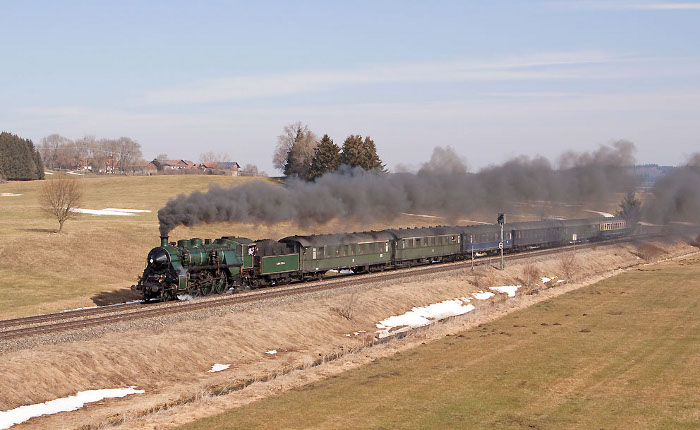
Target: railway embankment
{"points": [[281, 343]]}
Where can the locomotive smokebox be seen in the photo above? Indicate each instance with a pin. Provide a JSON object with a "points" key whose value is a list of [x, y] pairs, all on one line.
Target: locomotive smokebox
{"points": [[163, 240]]}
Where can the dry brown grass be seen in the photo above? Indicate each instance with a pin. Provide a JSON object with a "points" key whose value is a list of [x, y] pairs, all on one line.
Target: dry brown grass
{"points": [[648, 251], [170, 361]]}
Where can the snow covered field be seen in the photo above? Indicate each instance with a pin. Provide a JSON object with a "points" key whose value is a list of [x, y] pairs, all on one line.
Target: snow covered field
{"points": [[65, 404]]}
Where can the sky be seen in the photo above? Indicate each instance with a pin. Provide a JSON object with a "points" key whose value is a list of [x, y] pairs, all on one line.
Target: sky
{"points": [[492, 79]]}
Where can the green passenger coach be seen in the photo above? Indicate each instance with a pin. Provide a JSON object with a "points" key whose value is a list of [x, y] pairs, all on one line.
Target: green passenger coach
{"points": [[365, 251]]}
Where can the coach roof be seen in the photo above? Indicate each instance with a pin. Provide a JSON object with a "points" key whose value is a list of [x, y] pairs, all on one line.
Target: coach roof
{"points": [[340, 238]]}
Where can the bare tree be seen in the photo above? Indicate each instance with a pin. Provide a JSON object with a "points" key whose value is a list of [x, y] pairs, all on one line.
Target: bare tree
{"points": [[49, 149], [162, 157], [129, 154], [214, 157], [249, 170], [295, 149], [59, 196]]}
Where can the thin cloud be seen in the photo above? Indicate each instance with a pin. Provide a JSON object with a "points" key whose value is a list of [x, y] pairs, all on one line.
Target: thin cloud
{"points": [[546, 66]]}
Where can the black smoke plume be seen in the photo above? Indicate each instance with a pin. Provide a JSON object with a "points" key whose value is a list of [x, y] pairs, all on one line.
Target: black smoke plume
{"points": [[677, 195], [442, 186]]}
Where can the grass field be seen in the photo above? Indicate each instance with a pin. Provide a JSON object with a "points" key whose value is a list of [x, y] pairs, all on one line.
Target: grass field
{"points": [[622, 353], [98, 258]]}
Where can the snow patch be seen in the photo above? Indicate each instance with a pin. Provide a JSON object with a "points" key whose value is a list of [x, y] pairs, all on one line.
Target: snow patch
{"points": [[342, 271], [64, 404], [75, 173], [271, 352], [605, 214], [9, 195], [483, 295], [508, 289], [100, 212], [109, 211], [217, 367], [48, 173], [127, 210], [422, 316], [184, 297]]}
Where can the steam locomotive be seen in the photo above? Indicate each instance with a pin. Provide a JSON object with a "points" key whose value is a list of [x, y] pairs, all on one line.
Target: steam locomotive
{"points": [[200, 268]]}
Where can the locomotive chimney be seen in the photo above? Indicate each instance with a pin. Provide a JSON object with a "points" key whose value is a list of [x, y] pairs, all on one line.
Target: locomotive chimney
{"points": [[163, 240]]}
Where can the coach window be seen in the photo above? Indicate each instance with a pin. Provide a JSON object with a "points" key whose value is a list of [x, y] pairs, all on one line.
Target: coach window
{"points": [[321, 252], [313, 253]]}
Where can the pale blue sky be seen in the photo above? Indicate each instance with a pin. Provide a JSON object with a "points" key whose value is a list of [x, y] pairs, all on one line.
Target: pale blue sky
{"points": [[491, 78]]}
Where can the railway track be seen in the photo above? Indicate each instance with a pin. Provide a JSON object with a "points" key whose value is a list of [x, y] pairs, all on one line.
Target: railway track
{"points": [[16, 328]]}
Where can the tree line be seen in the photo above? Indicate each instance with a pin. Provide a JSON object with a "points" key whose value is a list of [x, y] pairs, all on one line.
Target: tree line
{"points": [[19, 160], [301, 154], [90, 153]]}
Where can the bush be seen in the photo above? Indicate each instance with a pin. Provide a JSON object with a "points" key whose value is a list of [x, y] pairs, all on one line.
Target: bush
{"points": [[568, 266], [530, 275]]}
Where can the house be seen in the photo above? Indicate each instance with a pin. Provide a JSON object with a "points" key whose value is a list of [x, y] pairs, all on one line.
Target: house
{"points": [[145, 168], [173, 164], [229, 168]]}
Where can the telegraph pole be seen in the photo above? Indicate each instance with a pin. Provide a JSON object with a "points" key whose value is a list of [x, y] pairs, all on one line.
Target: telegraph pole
{"points": [[502, 221]]}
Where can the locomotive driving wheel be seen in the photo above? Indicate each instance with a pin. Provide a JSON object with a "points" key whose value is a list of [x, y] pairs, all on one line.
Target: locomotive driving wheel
{"points": [[206, 282], [219, 285]]}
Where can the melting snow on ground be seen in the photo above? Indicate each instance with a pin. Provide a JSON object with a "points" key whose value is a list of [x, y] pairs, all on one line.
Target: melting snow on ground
{"points": [[48, 173], [342, 271], [508, 289], [64, 404], [483, 295], [9, 195], [108, 211], [605, 214], [421, 316], [218, 367], [271, 352], [184, 297]]}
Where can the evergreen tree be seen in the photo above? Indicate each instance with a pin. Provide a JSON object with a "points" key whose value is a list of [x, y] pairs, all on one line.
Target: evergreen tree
{"points": [[19, 159], [362, 154], [370, 159], [352, 151], [326, 158], [630, 209]]}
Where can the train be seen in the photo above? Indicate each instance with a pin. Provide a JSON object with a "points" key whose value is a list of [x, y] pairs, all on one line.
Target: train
{"points": [[199, 267]]}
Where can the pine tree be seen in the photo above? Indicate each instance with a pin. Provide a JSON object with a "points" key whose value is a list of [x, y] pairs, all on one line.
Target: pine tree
{"points": [[362, 154], [370, 158], [630, 209], [326, 158], [19, 159], [352, 151]]}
